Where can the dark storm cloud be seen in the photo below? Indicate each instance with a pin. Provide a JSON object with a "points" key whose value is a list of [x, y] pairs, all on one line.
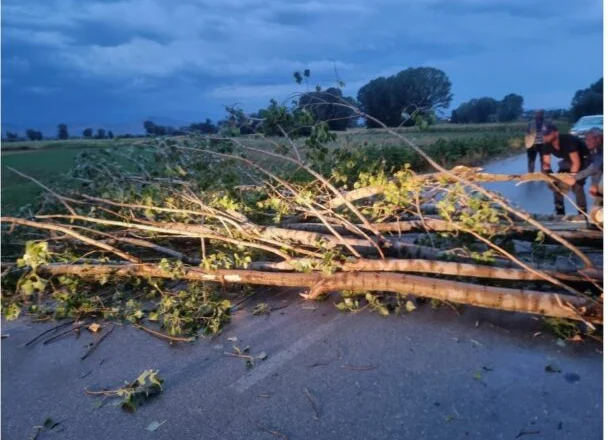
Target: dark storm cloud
{"points": [[111, 60]]}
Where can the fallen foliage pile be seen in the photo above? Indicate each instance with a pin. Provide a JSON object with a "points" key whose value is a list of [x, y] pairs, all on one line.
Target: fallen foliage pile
{"points": [[157, 232]]}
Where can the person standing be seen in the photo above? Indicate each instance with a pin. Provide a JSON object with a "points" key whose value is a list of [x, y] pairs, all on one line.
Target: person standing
{"points": [[594, 139], [534, 138], [574, 156]]}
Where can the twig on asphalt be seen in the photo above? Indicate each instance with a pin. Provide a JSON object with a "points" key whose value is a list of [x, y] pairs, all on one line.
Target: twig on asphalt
{"points": [[319, 364], [96, 344], [240, 356], [359, 367], [312, 403], [57, 327], [37, 433], [324, 363], [162, 335], [53, 338], [522, 433], [270, 431]]}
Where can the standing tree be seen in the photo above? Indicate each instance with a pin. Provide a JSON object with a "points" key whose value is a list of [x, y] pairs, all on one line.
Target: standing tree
{"points": [[330, 106], [62, 132], [157, 130], [33, 135], [588, 101], [476, 111], [101, 134], [375, 99], [11, 137], [510, 108], [206, 127], [87, 133], [110, 135], [421, 89], [150, 127]]}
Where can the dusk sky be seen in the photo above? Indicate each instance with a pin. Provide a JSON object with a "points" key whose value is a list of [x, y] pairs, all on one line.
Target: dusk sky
{"points": [[115, 63]]}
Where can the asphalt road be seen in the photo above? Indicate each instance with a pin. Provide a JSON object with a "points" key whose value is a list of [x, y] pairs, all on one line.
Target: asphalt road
{"points": [[427, 375]]}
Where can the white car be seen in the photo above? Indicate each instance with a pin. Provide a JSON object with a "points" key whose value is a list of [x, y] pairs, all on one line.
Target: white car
{"points": [[586, 123]]}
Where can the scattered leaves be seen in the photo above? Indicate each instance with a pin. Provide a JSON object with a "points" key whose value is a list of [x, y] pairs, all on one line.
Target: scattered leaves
{"points": [[348, 305], [562, 328], [376, 304], [137, 392]]}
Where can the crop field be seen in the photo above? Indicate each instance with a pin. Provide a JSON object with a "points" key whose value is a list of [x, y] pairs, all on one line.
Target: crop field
{"points": [[22, 146]]}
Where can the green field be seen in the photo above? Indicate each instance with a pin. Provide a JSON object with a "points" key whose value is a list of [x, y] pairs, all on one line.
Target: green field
{"points": [[48, 166], [67, 144], [49, 161]]}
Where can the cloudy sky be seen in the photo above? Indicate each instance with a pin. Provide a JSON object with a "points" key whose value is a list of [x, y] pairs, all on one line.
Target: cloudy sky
{"points": [[117, 62]]}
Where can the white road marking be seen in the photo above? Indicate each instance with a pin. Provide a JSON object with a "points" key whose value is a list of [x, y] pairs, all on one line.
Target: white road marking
{"points": [[263, 369]]}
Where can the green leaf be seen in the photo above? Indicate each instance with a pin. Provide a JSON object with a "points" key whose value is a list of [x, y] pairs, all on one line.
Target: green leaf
{"points": [[540, 237], [12, 312], [128, 404], [155, 379], [341, 306], [141, 379], [410, 306], [383, 310]]}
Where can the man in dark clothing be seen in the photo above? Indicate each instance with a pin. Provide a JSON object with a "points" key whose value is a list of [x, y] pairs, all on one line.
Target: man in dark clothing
{"points": [[594, 139], [574, 156], [534, 138]]}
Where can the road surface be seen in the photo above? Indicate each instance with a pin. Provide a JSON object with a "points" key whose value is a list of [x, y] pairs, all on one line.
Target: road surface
{"points": [[430, 374]]}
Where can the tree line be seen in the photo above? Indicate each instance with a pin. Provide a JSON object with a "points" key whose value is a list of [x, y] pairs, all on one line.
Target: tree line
{"points": [[62, 134], [413, 96]]}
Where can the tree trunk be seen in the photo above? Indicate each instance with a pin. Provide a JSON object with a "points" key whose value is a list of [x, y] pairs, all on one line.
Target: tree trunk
{"points": [[514, 300], [430, 267]]}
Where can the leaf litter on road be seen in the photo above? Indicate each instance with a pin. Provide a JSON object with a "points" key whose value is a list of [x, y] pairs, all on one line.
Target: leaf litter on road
{"points": [[135, 393]]}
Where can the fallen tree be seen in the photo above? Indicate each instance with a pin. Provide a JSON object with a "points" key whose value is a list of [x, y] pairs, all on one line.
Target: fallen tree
{"points": [[228, 211], [513, 300]]}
